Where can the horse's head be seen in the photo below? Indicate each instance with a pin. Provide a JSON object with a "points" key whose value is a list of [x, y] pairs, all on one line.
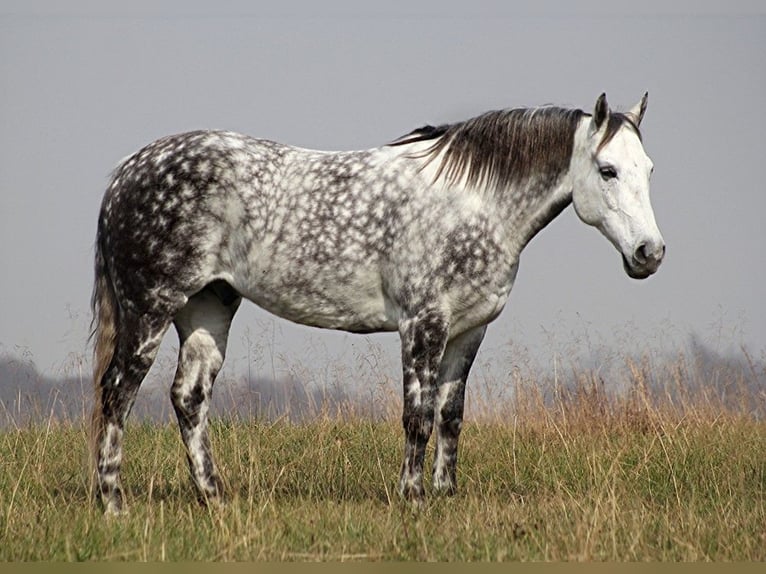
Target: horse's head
{"points": [[611, 173]]}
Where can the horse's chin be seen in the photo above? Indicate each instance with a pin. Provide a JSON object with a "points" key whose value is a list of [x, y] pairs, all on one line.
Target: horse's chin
{"points": [[635, 272]]}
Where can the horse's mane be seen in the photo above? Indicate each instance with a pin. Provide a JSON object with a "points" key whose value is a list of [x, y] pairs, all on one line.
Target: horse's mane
{"points": [[502, 148]]}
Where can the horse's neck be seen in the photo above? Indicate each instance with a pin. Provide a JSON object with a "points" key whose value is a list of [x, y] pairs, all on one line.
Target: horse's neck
{"points": [[525, 208], [530, 207]]}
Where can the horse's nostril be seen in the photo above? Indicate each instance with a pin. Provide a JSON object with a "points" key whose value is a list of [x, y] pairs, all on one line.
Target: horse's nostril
{"points": [[640, 254]]}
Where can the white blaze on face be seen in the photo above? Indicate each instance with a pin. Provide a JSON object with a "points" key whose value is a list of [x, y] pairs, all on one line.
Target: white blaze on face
{"points": [[611, 189]]}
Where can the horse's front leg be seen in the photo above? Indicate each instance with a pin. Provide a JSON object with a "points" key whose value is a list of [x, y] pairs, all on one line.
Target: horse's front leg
{"points": [[450, 401], [424, 338]]}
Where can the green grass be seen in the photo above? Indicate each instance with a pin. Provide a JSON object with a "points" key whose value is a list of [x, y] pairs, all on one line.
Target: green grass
{"points": [[580, 479]]}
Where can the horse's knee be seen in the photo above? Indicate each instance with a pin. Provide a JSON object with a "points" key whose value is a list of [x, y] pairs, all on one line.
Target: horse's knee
{"points": [[418, 414], [418, 427]]}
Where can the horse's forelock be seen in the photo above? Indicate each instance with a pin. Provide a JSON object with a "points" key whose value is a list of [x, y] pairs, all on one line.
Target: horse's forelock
{"points": [[616, 122]]}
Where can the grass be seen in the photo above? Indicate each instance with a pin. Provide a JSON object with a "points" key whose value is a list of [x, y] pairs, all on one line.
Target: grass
{"points": [[560, 475]]}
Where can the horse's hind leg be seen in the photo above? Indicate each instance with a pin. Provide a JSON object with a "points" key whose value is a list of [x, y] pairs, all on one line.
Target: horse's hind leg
{"points": [[136, 345], [203, 329], [450, 400]]}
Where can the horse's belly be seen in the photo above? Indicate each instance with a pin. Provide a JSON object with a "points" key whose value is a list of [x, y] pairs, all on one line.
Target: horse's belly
{"points": [[355, 304], [359, 316]]}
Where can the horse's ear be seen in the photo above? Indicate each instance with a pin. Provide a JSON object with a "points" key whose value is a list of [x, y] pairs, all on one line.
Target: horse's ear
{"points": [[637, 112], [600, 112]]}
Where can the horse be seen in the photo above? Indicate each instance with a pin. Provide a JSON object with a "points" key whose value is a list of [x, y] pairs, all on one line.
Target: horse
{"points": [[421, 236]]}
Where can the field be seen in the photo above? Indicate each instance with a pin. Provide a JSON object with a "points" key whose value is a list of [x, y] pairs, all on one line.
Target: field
{"points": [[669, 472]]}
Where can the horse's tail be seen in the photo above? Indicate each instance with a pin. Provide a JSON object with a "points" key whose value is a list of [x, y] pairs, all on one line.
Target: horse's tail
{"points": [[104, 333]]}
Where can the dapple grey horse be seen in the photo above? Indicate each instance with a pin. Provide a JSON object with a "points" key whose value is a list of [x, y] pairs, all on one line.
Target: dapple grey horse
{"points": [[420, 236]]}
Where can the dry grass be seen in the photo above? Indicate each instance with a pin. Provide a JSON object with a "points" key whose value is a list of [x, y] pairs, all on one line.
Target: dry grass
{"points": [[672, 467]]}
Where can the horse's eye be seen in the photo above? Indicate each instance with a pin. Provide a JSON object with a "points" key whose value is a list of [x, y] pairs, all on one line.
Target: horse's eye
{"points": [[607, 172]]}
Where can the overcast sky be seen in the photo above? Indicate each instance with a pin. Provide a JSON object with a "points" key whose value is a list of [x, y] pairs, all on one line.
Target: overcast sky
{"points": [[83, 85]]}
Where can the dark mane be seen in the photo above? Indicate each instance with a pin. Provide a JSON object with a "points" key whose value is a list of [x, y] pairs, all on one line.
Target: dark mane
{"points": [[505, 147], [421, 134]]}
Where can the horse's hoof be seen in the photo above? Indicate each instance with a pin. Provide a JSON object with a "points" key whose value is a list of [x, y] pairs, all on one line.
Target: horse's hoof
{"points": [[113, 509]]}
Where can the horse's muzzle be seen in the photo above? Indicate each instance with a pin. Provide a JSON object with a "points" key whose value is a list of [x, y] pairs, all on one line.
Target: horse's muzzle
{"points": [[645, 261]]}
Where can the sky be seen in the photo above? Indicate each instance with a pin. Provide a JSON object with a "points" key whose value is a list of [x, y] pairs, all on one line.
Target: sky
{"points": [[84, 84]]}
